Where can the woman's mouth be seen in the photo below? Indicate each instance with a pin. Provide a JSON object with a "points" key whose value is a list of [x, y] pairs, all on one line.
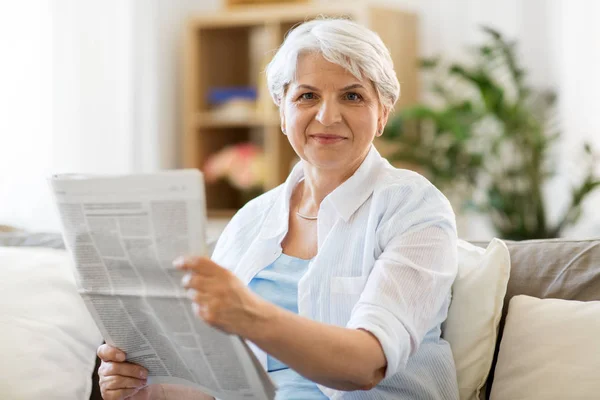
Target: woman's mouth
{"points": [[327, 139]]}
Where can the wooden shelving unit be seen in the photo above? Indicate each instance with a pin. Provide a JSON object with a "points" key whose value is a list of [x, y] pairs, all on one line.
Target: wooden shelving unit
{"points": [[232, 48]]}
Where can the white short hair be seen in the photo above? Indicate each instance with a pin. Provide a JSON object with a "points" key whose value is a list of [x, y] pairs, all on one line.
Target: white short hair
{"points": [[340, 41]]}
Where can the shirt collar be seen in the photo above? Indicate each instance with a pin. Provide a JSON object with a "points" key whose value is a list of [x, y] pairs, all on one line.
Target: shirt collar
{"points": [[352, 193], [345, 199]]}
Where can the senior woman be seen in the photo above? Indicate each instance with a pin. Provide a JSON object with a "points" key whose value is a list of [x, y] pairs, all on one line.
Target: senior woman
{"points": [[341, 276]]}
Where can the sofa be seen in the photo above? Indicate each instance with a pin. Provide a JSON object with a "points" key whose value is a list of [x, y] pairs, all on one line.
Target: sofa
{"points": [[560, 269], [549, 269]]}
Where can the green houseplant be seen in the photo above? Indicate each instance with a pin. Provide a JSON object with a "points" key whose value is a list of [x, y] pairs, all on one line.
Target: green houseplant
{"points": [[489, 135]]}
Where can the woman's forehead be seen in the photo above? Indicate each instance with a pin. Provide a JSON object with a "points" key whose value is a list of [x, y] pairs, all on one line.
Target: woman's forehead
{"points": [[315, 63], [313, 69]]}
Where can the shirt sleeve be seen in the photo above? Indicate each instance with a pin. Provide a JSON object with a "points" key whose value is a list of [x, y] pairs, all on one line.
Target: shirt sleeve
{"points": [[407, 290], [229, 248], [218, 249]]}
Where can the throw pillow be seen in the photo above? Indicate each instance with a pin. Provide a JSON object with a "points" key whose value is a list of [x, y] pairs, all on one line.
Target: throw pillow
{"points": [[549, 351], [48, 339], [474, 314]]}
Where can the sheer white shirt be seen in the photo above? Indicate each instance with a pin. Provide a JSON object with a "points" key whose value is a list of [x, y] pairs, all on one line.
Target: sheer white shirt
{"points": [[386, 261]]}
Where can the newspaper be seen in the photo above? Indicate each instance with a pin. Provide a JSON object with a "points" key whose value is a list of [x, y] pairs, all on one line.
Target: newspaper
{"points": [[123, 232]]}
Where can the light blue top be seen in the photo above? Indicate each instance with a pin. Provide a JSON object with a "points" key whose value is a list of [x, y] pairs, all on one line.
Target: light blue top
{"points": [[278, 283]]}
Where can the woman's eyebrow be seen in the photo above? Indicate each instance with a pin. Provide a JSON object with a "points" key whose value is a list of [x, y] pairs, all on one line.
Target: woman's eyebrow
{"points": [[349, 87], [303, 86], [353, 86]]}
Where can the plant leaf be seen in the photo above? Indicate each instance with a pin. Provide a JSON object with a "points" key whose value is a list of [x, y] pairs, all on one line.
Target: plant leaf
{"points": [[429, 63]]}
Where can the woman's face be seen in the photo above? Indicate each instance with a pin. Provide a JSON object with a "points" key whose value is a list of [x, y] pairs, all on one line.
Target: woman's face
{"points": [[330, 116]]}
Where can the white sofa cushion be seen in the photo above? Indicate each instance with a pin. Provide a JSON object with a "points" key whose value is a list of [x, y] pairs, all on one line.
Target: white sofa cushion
{"points": [[48, 339], [550, 350], [472, 324]]}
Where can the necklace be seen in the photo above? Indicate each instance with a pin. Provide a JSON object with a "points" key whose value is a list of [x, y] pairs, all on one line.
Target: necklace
{"points": [[298, 213]]}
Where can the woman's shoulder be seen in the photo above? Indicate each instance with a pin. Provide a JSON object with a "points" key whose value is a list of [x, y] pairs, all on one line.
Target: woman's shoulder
{"points": [[243, 228], [252, 214], [401, 191], [392, 179]]}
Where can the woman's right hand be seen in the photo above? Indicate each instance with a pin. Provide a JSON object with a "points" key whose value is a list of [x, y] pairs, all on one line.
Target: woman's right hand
{"points": [[119, 379]]}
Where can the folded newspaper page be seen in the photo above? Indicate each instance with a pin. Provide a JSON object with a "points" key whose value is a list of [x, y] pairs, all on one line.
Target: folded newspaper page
{"points": [[123, 233]]}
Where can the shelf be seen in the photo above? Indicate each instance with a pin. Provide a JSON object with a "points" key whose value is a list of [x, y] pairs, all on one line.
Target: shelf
{"points": [[221, 213], [206, 120], [269, 14]]}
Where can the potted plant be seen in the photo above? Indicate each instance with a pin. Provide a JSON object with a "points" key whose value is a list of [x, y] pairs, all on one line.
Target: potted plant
{"points": [[490, 136]]}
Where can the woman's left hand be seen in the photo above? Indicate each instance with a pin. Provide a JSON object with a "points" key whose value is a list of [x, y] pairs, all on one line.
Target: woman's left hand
{"points": [[219, 297]]}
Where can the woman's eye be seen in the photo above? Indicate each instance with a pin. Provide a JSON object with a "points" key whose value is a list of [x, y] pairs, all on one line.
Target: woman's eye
{"points": [[307, 96], [353, 96]]}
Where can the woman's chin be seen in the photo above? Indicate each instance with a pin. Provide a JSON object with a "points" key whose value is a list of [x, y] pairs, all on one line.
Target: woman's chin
{"points": [[328, 161]]}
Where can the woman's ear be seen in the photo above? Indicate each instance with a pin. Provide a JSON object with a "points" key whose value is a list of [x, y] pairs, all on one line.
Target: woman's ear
{"points": [[382, 121], [282, 119]]}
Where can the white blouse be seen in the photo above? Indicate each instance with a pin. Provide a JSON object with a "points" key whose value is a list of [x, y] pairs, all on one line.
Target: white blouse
{"points": [[386, 261]]}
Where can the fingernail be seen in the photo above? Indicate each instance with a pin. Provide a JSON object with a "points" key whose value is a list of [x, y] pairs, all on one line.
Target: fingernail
{"points": [[143, 374], [120, 357], [190, 294], [179, 262], [196, 308], [185, 280]]}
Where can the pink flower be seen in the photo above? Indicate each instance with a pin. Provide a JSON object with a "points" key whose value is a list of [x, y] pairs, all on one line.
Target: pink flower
{"points": [[242, 165]]}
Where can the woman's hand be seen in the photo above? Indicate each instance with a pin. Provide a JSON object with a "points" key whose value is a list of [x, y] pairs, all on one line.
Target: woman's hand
{"points": [[118, 379], [219, 297]]}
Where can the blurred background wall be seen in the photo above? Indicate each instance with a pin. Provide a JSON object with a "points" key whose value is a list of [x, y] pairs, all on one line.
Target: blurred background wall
{"points": [[94, 86]]}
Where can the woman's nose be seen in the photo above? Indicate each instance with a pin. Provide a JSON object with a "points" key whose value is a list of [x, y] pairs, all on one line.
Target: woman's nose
{"points": [[329, 113]]}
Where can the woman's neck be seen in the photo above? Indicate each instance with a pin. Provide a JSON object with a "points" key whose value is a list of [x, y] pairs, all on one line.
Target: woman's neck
{"points": [[318, 183]]}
